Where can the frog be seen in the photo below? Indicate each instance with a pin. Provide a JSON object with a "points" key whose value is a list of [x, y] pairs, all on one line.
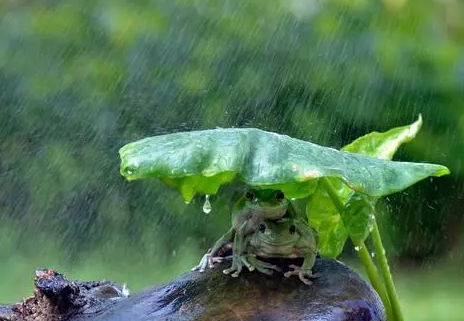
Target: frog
{"points": [[255, 206], [284, 238]]}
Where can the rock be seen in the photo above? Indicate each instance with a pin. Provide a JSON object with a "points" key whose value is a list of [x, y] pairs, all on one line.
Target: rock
{"points": [[339, 294], [6, 313], [56, 298]]}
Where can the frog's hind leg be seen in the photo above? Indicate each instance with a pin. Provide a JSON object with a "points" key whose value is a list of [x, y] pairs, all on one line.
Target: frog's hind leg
{"points": [[210, 258]]}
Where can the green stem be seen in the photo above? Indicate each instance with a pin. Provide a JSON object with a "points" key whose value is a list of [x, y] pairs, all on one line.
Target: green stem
{"points": [[385, 269], [363, 253], [374, 277]]}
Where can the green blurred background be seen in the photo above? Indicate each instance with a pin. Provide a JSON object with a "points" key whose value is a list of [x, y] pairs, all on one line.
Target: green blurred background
{"points": [[79, 79]]}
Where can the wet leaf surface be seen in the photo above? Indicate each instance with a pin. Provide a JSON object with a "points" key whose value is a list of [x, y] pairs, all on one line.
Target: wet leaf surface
{"points": [[201, 161], [321, 212]]}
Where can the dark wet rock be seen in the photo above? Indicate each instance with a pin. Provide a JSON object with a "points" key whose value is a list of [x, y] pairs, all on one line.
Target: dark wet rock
{"points": [[339, 294], [6, 313]]}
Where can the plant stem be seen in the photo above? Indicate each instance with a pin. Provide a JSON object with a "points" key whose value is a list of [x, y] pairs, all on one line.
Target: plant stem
{"points": [[385, 269], [374, 277], [363, 253]]}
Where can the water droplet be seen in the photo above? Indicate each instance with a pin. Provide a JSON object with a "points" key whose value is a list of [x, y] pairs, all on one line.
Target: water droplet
{"points": [[125, 290], [293, 198], [187, 202], [174, 252], [357, 248], [207, 205], [372, 254]]}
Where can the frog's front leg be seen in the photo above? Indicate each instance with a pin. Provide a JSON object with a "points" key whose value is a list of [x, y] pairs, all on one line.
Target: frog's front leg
{"points": [[210, 258], [305, 270], [238, 257], [263, 267]]}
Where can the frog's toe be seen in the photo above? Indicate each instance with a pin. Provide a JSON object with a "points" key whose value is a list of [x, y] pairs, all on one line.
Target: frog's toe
{"points": [[289, 274], [263, 267], [297, 270], [303, 278], [201, 267], [237, 272], [316, 275], [214, 259], [246, 262], [236, 267], [207, 261], [229, 270], [303, 274], [265, 270], [234, 270]]}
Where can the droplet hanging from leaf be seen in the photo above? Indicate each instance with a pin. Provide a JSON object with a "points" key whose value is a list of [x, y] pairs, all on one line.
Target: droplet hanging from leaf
{"points": [[207, 205]]}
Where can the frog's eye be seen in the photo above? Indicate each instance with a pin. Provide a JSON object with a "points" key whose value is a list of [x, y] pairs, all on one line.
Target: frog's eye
{"points": [[250, 196], [292, 229], [279, 195], [262, 228]]}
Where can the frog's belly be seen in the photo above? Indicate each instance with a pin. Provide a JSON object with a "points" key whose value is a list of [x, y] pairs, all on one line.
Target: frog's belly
{"points": [[285, 251]]}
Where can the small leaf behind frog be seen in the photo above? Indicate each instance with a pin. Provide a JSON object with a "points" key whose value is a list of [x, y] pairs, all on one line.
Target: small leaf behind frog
{"points": [[358, 218]]}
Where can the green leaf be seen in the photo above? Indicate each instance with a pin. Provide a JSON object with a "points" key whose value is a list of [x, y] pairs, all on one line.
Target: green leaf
{"points": [[201, 161], [321, 212], [331, 238], [384, 145], [358, 218], [324, 217]]}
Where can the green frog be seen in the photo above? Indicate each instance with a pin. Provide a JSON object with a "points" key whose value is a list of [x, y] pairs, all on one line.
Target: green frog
{"points": [[284, 238], [250, 210]]}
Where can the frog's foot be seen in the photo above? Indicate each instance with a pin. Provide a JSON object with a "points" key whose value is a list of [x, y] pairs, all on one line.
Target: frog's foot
{"points": [[238, 261], [302, 274], [207, 261], [262, 266]]}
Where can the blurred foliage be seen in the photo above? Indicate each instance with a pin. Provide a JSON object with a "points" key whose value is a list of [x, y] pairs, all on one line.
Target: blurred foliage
{"points": [[79, 79]]}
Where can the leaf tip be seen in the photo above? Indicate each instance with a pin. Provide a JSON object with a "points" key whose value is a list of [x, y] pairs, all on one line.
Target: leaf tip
{"points": [[419, 119], [127, 171], [416, 126], [187, 193], [442, 171]]}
